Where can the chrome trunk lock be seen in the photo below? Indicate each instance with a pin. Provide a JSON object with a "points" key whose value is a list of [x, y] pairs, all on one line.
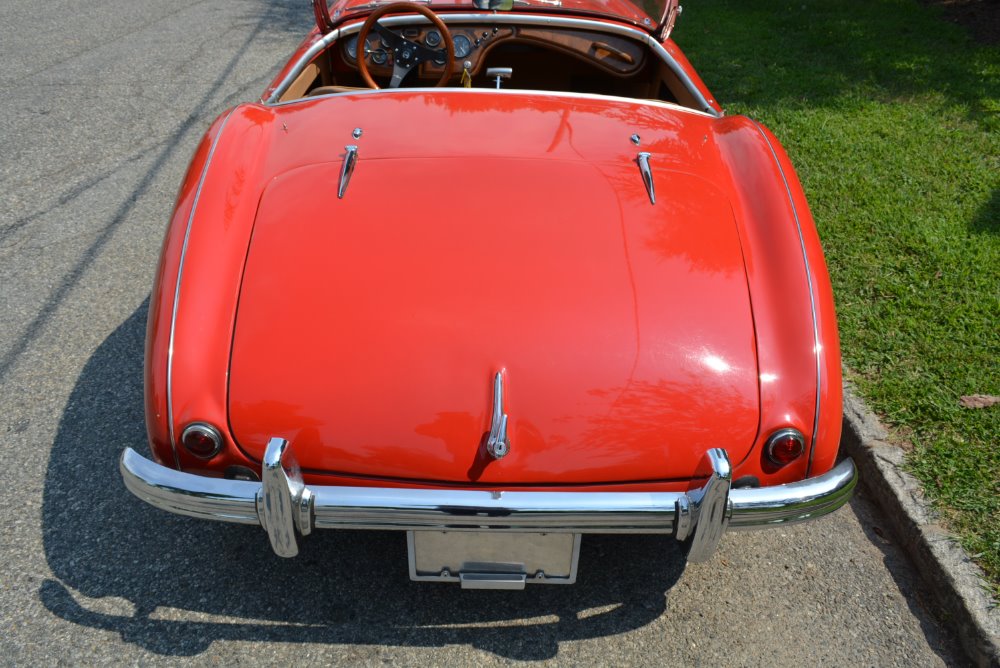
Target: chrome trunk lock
{"points": [[497, 441]]}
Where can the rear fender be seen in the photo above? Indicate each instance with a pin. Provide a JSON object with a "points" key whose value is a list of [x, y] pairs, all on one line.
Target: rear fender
{"points": [[798, 348], [193, 303]]}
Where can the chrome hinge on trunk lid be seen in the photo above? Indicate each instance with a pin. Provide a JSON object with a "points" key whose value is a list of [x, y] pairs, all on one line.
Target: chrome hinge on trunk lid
{"points": [[647, 175], [350, 160]]}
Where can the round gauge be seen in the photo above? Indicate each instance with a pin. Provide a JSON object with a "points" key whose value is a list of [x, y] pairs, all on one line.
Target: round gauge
{"points": [[432, 39], [463, 47], [352, 47], [379, 56]]}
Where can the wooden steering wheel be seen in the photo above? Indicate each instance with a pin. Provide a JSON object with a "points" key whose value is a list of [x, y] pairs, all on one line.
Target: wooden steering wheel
{"points": [[406, 54]]}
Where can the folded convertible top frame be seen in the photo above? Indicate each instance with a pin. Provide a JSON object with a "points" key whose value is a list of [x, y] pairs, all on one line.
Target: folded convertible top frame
{"points": [[285, 507]]}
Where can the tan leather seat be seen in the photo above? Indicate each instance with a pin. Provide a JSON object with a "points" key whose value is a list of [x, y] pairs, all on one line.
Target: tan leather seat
{"points": [[330, 90]]}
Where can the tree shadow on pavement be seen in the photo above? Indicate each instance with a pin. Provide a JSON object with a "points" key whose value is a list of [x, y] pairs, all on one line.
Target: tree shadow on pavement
{"points": [[274, 17]]}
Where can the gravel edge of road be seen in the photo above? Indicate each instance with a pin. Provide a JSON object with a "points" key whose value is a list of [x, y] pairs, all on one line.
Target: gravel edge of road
{"points": [[953, 580]]}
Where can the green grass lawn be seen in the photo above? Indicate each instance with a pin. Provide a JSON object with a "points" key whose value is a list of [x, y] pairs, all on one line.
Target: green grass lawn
{"points": [[892, 117]]}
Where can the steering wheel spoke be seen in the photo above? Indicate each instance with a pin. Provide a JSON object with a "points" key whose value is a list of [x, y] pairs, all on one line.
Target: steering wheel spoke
{"points": [[427, 53], [398, 72], [389, 38]]}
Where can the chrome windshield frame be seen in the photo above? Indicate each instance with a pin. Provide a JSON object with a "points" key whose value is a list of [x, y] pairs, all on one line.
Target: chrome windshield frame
{"points": [[331, 18]]}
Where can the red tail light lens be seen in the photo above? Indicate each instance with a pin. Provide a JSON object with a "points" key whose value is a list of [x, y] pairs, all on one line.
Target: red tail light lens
{"points": [[785, 446], [201, 440]]}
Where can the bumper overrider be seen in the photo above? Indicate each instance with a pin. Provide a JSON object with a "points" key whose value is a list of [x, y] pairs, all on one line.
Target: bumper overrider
{"points": [[286, 507]]}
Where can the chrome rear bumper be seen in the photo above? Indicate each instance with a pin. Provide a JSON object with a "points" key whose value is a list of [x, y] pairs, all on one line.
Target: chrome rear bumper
{"points": [[285, 507]]}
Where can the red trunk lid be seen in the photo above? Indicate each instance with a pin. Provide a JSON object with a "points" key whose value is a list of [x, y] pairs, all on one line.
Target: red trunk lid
{"points": [[370, 328]]}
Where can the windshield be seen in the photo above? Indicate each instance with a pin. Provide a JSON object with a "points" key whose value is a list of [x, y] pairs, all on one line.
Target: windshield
{"points": [[644, 13]]}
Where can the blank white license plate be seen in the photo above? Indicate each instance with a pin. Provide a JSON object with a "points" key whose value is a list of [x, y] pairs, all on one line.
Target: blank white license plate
{"points": [[493, 559]]}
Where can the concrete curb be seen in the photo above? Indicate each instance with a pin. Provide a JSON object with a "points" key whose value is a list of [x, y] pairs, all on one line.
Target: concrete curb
{"points": [[954, 581]]}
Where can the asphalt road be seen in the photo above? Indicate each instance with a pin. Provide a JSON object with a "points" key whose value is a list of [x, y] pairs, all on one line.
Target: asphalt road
{"points": [[103, 104]]}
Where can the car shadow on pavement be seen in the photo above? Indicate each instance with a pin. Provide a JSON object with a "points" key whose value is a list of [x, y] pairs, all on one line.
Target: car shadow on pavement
{"points": [[173, 585]]}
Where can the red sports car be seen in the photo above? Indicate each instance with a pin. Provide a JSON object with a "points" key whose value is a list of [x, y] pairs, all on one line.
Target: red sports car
{"points": [[496, 273]]}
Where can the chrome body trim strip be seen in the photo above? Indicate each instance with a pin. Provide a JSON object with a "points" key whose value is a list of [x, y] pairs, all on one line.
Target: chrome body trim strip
{"points": [[817, 346], [328, 507], [503, 91], [177, 290], [505, 19]]}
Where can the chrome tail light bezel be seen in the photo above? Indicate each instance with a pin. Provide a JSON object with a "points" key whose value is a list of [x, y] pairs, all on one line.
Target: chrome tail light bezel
{"points": [[779, 435], [204, 429]]}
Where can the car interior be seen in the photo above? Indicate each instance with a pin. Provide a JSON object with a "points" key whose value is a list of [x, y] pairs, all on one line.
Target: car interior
{"points": [[492, 55]]}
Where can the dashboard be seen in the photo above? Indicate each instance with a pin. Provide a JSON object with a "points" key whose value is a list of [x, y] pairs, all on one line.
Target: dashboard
{"points": [[615, 54]]}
